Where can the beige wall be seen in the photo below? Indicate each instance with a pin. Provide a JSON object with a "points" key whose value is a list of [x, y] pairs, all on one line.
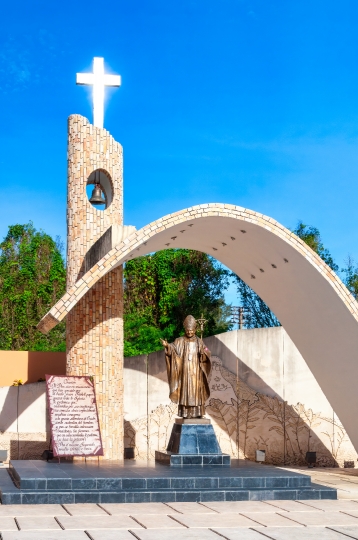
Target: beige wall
{"points": [[263, 396], [30, 366], [24, 426]]}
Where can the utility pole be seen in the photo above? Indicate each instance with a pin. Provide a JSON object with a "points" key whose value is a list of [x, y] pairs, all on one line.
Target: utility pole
{"points": [[241, 318], [238, 316]]}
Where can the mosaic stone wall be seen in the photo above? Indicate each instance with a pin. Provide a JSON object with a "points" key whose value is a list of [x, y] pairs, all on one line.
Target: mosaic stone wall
{"points": [[95, 324]]}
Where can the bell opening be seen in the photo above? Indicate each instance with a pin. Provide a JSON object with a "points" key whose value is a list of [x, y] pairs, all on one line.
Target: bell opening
{"points": [[99, 189]]}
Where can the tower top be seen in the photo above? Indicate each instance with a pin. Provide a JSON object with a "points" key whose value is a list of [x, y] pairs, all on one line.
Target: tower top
{"points": [[98, 79]]}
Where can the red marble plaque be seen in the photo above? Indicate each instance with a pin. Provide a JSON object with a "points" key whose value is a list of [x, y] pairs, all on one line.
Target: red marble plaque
{"points": [[73, 412]]}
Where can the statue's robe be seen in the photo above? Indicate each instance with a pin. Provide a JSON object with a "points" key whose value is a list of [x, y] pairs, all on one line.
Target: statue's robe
{"points": [[188, 366]]}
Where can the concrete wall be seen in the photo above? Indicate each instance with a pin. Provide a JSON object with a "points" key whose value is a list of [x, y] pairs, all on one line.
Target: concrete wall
{"points": [[24, 427], [263, 396], [30, 366]]}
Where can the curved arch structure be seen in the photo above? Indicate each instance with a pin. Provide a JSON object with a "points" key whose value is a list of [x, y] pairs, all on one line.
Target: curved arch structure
{"points": [[311, 302]]}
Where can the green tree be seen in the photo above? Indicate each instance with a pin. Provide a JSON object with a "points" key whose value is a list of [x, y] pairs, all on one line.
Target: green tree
{"points": [[312, 237], [32, 279], [351, 276], [162, 288], [257, 313]]}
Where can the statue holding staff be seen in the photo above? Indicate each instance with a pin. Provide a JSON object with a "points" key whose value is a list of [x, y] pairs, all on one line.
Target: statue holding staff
{"points": [[188, 367]]}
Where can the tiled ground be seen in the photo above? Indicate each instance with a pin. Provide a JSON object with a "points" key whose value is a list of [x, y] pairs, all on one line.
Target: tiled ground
{"points": [[344, 480], [247, 520]]}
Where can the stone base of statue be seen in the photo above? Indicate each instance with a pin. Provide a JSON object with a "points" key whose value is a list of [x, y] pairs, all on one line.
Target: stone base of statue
{"points": [[193, 442]]}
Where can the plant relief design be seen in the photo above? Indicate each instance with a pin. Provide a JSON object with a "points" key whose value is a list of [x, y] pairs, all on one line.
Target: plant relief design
{"points": [[244, 421]]}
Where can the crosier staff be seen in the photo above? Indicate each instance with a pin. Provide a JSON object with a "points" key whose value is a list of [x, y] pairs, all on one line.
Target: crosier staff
{"points": [[201, 322]]}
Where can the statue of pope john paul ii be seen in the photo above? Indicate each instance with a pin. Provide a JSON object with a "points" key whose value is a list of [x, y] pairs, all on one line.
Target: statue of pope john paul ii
{"points": [[188, 367]]}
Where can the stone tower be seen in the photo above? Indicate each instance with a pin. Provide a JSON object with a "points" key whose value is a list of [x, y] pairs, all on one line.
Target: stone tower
{"points": [[95, 324]]}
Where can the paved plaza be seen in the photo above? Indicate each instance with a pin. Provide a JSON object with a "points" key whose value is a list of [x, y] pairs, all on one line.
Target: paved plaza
{"points": [[242, 520]]}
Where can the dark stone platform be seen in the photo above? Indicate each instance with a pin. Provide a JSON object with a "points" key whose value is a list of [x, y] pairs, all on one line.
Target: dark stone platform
{"points": [[190, 438], [178, 460], [193, 442], [39, 482]]}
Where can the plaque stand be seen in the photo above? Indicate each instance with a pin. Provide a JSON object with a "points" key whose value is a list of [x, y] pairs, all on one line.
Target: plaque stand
{"points": [[193, 442]]}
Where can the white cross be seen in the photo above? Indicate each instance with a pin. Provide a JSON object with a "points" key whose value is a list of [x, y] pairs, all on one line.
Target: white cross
{"points": [[99, 80]]}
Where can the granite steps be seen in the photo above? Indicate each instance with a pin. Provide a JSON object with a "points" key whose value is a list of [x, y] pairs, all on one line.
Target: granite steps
{"points": [[37, 482]]}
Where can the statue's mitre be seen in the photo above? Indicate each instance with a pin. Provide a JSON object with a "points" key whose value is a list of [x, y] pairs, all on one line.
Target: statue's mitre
{"points": [[189, 322]]}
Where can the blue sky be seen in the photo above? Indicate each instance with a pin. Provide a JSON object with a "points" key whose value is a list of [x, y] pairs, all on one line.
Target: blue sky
{"points": [[251, 102]]}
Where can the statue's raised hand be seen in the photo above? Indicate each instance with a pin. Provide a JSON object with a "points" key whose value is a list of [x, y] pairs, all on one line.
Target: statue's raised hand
{"points": [[164, 343]]}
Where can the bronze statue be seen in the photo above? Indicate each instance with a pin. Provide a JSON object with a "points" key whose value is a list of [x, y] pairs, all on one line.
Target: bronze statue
{"points": [[188, 367]]}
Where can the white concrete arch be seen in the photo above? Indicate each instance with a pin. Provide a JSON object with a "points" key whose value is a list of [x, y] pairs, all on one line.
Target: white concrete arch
{"points": [[309, 299]]}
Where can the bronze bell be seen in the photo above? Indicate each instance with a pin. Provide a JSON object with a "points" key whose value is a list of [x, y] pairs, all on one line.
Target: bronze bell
{"points": [[96, 197]]}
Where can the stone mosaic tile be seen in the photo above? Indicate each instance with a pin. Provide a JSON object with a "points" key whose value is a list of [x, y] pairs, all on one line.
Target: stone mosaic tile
{"points": [[18, 510], [214, 520], [293, 506], [132, 509], [270, 519], [113, 534], [323, 519], [27, 523], [295, 533], [98, 522], [328, 506], [150, 521], [8, 524], [349, 531], [240, 506], [87, 509], [45, 535], [241, 534], [177, 534], [190, 508]]}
